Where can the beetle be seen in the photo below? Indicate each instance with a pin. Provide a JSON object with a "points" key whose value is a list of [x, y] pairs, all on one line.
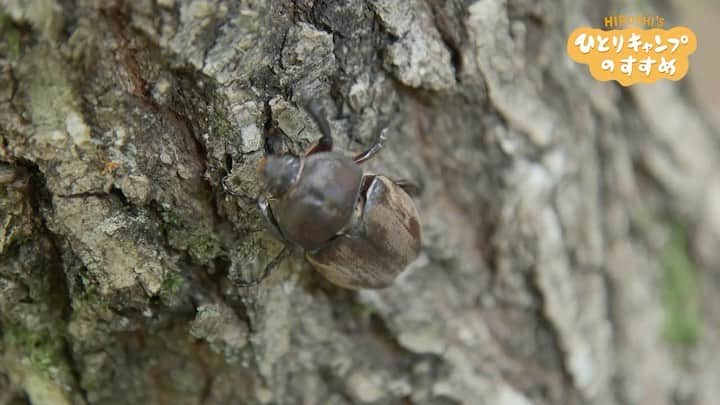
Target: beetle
{"points": [[357, 229]]}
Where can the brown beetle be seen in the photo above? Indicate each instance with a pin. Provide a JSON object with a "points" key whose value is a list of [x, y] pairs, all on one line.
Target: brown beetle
{"points": [[358, 230]]}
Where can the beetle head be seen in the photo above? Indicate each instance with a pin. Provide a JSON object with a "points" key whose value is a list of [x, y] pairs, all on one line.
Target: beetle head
{"points": [[279, 173]]}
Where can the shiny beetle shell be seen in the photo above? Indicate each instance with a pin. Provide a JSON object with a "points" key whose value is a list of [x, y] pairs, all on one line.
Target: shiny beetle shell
{"points": [[383, 239], [320, 202]]}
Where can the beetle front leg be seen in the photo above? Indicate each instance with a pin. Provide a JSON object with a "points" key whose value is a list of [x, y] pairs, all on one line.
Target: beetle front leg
{"points": [[227, 188], [373, 149], [230, 190], [270, 222], [272, 226], [274, 137], [325, 144], [274, 263]]}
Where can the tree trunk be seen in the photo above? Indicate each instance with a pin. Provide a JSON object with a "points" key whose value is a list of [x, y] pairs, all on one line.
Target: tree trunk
{"points": [[569, 226]]}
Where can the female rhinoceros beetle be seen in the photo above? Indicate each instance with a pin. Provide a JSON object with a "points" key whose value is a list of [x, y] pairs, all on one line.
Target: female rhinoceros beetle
{"points": [[359, 230]]}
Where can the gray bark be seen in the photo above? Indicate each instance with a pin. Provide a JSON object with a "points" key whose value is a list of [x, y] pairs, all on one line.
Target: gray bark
{"points": [[570, 226]]}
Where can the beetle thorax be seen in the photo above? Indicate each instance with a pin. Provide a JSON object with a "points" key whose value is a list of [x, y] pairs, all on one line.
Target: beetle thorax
{"points": [[320, 202], [280, 173]]}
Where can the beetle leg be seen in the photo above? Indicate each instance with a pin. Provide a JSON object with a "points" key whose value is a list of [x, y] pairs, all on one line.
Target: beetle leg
{"points": [[274, 140], [373, 149], [274, 137], [272, 225], [270, 222], [325, 144], [274, 263], [229, 189], [410, 187]]}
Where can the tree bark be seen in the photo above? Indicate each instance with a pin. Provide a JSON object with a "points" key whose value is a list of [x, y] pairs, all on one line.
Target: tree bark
{"points": [[569, 226]]}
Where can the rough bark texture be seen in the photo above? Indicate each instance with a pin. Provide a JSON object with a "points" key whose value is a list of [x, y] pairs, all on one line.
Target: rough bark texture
{"points": [[570, 226]]}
